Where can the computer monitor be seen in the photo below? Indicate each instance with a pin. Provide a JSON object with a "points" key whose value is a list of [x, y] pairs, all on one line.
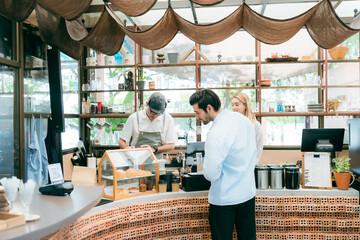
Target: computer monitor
{"points": [[322, 140]]}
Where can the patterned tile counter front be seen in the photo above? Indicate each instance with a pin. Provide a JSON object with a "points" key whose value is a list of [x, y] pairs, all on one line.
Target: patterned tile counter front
{"points": [[280, 214]]}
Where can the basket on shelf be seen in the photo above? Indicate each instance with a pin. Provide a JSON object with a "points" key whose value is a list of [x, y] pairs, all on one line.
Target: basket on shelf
{"points": [[338, 52]]}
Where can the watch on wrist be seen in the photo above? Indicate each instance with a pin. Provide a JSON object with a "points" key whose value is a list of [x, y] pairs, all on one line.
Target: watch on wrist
{"points": [[155, 148]]}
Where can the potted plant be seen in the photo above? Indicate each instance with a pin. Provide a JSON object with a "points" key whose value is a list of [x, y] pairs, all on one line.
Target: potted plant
{"points": [[141, 82], [333, 103], [342, 172]]}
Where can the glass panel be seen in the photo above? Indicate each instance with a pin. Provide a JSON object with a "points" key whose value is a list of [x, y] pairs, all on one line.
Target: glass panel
{"points": [[344, 99], [286, 10], [226, 96], [179, 44], [6, 38], [298, 97], [36, 79], [228, 76], [344, 74], [239, 47], [304, 74], [286, 130], [9, 128], [338, 122], [70, 84], [170, 77], [70, 137], [105, 131], [299, 45]]}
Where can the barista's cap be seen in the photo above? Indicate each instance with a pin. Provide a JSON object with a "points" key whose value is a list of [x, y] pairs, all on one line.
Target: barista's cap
{"points": [[157, 103]]}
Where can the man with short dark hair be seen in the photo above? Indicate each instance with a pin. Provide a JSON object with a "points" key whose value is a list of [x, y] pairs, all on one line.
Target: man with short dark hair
{"points": [[229, 164], [151, 127]]}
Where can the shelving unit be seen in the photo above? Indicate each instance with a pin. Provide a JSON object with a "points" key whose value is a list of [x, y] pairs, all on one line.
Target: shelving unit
{"points": [[321, 64]]}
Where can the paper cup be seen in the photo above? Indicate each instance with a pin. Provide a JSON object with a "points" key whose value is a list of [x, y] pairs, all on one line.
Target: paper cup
{"points": [[109, 60], [90, 61]]}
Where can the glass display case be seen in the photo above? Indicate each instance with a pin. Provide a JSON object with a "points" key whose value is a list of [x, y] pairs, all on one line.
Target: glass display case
{"points": [[128, 173]]}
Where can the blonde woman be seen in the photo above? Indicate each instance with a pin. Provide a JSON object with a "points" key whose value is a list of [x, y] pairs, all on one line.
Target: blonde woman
{"points": [[241, 103]]}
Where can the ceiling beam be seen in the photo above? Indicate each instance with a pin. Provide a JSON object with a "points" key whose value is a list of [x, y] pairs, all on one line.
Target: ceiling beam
{"points": [[264, 7], [193, 12], [338, 3]]}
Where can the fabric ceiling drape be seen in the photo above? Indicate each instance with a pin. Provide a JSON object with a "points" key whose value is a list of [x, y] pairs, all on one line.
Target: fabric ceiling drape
{"points": [[321, 21], [68, 9], [326, 28], [17, 10], [53, 31], [272, 31], [211, 33], [106, 37], [207, 2], [133, 8], [155, 37]]}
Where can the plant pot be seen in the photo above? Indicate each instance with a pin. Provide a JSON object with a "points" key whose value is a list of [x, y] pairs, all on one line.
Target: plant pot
{"points": [[342, 180], [141, 85], [151, 85], [173, 57]]}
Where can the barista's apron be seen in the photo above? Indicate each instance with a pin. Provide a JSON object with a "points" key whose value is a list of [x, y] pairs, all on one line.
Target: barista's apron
{"points": [[150, 138]]}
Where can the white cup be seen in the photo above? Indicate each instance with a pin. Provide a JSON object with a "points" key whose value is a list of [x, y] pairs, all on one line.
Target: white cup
{"points": [[91, 162], [90, 61], [109, 60], [145, 59]]}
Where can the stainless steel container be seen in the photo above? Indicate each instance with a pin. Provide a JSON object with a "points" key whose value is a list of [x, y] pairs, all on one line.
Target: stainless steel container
{"points": [[262, 176], [277, 177]]}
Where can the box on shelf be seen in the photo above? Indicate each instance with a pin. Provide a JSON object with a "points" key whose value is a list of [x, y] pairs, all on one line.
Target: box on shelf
{"points": [[122, 172], [33, 62]]}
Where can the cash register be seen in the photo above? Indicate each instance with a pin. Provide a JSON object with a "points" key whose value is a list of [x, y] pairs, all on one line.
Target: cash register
{"points": [[195, 180]]}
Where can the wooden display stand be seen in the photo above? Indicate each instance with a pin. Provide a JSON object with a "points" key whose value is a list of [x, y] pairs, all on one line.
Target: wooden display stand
{"points": [[183, 59], [125, 159]]}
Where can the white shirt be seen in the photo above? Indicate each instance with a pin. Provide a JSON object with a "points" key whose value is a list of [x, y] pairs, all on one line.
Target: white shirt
{"points": [[132, 128], [259, 139], [230, 158]]}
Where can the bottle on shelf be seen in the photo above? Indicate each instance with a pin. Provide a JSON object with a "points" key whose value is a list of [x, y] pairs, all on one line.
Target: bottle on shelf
{"points": [[87, 108], [83, 106]]}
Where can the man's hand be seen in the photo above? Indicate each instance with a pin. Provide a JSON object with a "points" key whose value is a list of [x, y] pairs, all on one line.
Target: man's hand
{"points": [[148, 146]]}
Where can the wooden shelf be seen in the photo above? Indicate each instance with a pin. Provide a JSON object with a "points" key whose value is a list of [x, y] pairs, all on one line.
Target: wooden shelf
{"points": [[157, 65], [108, 66], [228, 63], [290, 114], [344, 60], [107, 115], [48, 115], [289, 87], [344, 86], [299, 61], [126, 115], [102, 91], [168, 89]]}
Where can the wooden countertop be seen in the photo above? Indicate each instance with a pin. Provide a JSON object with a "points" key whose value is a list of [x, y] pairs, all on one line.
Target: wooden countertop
{"points": [[55, 212]]}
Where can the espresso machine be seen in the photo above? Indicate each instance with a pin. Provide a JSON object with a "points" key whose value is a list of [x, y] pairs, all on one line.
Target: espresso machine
{"points": [[195, 180]]}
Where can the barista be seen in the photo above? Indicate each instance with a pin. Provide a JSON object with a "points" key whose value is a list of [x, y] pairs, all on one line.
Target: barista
{"points": [[151, 127]]}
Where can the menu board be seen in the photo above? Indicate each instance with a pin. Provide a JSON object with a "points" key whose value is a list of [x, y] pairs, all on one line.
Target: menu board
{"points": [[317, 170]]}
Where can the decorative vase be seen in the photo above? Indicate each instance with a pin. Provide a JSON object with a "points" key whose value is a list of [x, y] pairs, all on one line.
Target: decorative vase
{"points": [[141, 85], [342, 180]]}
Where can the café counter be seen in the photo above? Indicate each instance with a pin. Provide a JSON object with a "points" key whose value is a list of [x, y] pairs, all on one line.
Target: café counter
{"points": [[56, 212], [280, 214]]}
